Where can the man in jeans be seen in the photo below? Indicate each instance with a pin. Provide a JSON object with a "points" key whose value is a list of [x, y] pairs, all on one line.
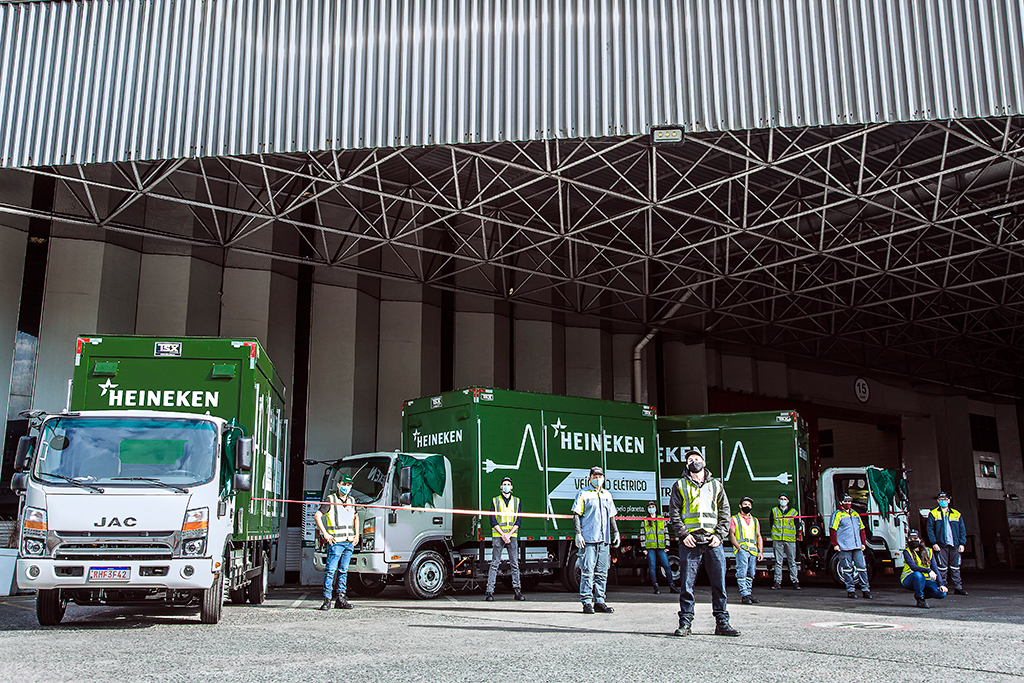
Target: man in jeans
{"points": [[745, 535], [699, 514], [948, 534], [594, 518], [784, 521], [849, 540], [655, 542], [504, 534], [337, 521]]}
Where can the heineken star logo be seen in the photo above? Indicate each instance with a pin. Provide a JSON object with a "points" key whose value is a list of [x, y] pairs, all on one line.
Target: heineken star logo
{"points": [[415, 433], [558, 426], [107, 386]]}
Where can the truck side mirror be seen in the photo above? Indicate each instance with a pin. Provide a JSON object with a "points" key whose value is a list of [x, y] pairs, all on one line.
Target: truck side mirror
{"points": [[405, 499], [405, 480], [242, 482], [243, 454], [23, 459], [19, 482]]}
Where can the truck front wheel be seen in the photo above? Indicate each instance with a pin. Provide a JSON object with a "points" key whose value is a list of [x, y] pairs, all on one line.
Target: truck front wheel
{"points": [[213, 601], [833, 567], [427, 575], [571, 573], [50, 606], [367, 585]]}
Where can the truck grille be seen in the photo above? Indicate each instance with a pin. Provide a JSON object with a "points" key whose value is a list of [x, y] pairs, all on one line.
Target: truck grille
{"points": [[139, 545]]}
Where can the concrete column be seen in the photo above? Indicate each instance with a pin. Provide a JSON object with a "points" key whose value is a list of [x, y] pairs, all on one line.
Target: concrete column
{"points": [[1007, 419], [622, 367], [91, 288], [164, 283], [540, 355], [12, 263], [959, 462], [583, 361], [408, 365], [481, 343], [920, 453], [686, 382]]}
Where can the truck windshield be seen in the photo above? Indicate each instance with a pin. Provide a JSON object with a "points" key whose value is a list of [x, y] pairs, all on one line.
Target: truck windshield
{"points": [[368, 477], [110, 450]]}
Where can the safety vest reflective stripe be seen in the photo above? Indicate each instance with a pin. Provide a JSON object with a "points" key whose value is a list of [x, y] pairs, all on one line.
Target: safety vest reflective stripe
{"points": [[506, 514], [924, 561], [699, 505], [746, 534], [783, 524], [340, 521], [654, 533], [954, 515]]}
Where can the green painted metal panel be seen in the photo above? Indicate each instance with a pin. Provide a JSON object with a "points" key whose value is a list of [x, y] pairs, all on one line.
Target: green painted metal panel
{"points": [[546, 444], [761, 455], [226, 378]]}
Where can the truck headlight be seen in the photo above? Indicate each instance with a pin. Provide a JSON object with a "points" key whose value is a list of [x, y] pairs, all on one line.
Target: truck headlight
{"points": [[33, 522], [32, 546], [196, 523], [194, 547], [366, 545]]}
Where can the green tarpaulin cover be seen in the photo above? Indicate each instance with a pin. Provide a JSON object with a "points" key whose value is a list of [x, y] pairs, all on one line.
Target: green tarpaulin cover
{"points": [[428, 478], [886, 487]]}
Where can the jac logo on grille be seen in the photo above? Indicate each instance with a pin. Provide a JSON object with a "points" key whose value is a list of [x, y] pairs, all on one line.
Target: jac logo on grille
{"points": [[114, 521]]}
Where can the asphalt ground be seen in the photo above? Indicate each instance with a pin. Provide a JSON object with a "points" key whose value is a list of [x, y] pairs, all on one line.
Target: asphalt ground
{"points": [[460, 637]]}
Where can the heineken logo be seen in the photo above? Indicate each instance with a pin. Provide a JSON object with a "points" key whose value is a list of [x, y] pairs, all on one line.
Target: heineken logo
{"points": [[438, 439], [168, 398], [596, 442]]}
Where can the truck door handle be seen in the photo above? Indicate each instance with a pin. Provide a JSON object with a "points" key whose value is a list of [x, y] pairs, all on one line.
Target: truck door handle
{"points": [[438, 521]]}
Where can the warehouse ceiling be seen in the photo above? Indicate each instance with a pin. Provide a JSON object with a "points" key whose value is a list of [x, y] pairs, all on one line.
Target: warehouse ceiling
{"points": [[893, 247]]}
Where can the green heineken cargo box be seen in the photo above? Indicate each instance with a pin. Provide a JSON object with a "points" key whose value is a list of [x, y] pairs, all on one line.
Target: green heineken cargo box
{"points": [[761, 455], [546, 444], [228, 378]]}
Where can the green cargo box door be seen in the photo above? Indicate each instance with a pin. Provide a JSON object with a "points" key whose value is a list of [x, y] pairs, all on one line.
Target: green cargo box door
{"points": [[166, 384], [673, 445], [574, 445], [512, 445], [631, 465], [760, 462]]}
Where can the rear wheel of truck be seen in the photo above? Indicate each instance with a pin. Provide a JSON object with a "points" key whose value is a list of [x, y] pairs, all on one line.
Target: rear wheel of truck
{"points": [[571, 573], [427, 575], [213, 601], [367, 585], [237, 596], [50, 606], [258, 586]]}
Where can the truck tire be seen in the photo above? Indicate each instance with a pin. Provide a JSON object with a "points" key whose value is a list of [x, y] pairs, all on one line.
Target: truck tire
{"points": [[50, 606], [257, 589], [213, 601], [367, 585], [236, 596], [571, 573], [833, 567], [427, 575]]}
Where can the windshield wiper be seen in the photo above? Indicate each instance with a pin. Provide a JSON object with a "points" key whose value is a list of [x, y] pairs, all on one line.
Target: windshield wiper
{"points": [[181, 489], [95, 489]]}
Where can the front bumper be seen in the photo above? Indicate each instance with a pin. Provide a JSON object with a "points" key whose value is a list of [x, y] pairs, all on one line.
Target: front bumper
{"points": [[171, 573], [361, 563]]}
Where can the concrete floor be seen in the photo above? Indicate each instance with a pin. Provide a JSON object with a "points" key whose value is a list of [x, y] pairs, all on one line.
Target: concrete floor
{"points": [[461, 638]]}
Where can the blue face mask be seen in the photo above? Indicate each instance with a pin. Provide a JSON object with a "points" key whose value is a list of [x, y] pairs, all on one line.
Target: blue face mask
{"points": [[597, 482], [943, 503], [343, 490]]}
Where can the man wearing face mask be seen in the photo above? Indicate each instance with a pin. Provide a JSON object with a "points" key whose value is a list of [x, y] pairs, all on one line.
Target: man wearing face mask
{"points": [[920, 572], [745, 536], [655, 542], [849, 540], [784, 537], [948, 534], [504, 534], [699, 514], [337, 522], [594, 519]]}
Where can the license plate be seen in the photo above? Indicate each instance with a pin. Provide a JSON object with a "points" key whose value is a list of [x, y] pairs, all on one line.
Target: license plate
{"points": [[110, 573]]}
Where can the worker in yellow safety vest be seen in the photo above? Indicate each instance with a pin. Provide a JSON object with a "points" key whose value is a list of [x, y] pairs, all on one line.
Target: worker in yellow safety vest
{"points": [[785, 534], [337, 522], [920, 571], [655, 543], [504, 536], [745, 536]]}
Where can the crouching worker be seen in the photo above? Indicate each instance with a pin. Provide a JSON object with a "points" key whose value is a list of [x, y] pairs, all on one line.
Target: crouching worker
{"points": [[336, 521], [920, 571]]}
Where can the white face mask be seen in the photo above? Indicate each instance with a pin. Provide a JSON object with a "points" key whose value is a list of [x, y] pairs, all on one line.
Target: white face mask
{"points": [[597, 482], [652, 512], [344, 490], [506, 489], [783, 504]]}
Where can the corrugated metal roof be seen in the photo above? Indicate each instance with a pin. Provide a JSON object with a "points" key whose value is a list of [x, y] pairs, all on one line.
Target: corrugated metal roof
{"points": [[111, 80]]}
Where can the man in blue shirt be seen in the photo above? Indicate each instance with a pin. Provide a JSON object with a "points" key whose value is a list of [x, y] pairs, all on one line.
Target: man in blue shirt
{"points": [[594, 518], [850, 540], [948, 534]]}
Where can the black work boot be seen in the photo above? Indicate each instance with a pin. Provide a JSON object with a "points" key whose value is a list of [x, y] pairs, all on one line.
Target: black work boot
{"points": [[683, 630], [796, 586], [342, 603], [657, 591], [749, 600], [603, 607], [723, 629], [866, 595], [588, 608], [325, 605], [518, 596], [922, 603], [851, 594], [489, 597], [960, 591]]}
